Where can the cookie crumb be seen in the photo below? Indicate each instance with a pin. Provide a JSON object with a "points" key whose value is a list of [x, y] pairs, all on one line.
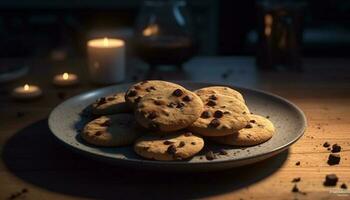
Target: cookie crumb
{"points": [[333, 159], [210, 155], [330, 180]]}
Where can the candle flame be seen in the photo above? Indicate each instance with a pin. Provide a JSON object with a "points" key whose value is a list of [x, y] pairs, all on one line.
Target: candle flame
{"points": [[65, 76], [105, 42], [26, 87]]}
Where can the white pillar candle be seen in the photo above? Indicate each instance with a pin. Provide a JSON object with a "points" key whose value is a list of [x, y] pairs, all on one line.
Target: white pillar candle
{"points": [[26, 92], [65, 79], [106, 60]]}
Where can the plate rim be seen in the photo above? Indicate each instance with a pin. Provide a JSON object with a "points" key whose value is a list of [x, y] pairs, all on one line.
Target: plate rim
{"points": [[182, 163]]}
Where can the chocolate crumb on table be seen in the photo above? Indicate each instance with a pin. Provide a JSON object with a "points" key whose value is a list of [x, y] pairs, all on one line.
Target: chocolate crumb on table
{"points": [[326, 144], [295, 180], [343, 186], [295, 188], [297, 163], [336, 148], [330, 180], [333, 159]]}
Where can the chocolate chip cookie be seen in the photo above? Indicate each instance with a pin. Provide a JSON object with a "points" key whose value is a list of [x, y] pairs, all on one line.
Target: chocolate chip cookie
{"points": [[177, 146], [111, 130], [222, 115], [258, 130], [135, 93], [111, 104], [222, 90], [168, 109]]}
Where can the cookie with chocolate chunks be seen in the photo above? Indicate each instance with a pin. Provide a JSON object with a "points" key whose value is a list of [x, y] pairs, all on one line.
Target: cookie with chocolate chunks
{"points": [[111, 104], [254, 133], [175, 146], [221, 90], [111, 131], [135, 93], [168, 109], [222, 115]]}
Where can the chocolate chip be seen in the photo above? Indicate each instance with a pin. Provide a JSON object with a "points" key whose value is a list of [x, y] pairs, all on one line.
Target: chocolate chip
{"points": [[214, 123], [159, 102], [329, 148], [336, 148], [343, 186], [210, 155], [106, 123], [297, 163], [267, 117], [110, 98], [152, 115], [186, 98], [137, 87], [331, 180], [178, 93], [244, 113], [193, 143], [226, 112], [333, 159], [132, 93], [205, 114], [252, 121], [213, 97], [180, 105], [181, 144], [326, 144], [98, 133], [167, 142], [295, 188], [211, 103], [222, 152], [295, 180], [187, 134], [218, 114], [171, 149], [248, 126], [149, 89], [138, 99], [171, 105]]}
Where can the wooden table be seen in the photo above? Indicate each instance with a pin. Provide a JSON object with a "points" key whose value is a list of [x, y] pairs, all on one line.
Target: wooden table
{"points": [[31, 158]]}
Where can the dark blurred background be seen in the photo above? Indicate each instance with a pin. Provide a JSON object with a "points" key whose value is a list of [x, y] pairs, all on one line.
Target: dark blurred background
{"points": [[36, 28]]}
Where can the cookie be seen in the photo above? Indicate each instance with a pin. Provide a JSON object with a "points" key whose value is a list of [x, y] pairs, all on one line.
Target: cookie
{"points": [[259, 130], [222, 90], [137, 91], [168, 110], [170, 147], [111, 104], [111, 131], [222, 115]]}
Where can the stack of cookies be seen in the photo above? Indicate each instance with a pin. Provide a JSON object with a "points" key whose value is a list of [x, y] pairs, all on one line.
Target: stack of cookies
{"points": [[165, 121]]}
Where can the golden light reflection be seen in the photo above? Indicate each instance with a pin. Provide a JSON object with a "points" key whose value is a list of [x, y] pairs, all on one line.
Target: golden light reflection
{"points": [[151, 30], [105, 42]]}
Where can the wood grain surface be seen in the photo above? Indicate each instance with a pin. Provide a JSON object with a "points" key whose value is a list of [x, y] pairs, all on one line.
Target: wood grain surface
{"points": [[33, 161]]}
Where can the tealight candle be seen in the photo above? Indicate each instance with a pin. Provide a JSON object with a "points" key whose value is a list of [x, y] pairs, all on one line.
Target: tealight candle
{"points": [[27, 92], [106, 59], [65, 79]]}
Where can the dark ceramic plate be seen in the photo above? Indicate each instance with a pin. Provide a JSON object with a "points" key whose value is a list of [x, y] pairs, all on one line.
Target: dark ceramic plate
{"points": [[66, 119]]}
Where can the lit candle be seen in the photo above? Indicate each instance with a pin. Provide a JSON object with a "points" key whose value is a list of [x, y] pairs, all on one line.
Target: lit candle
{"points": [[106, 59], [65, 79], [26, 92]]}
